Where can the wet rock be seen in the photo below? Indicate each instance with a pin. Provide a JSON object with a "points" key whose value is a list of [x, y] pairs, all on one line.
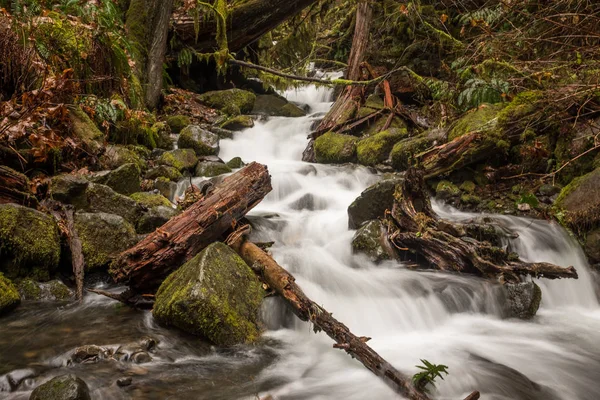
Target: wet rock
{"points": [[548, 190], [102, 199], [90, 354], [9, 296], [164, 171], [162, 133], [369, 240], [117, 155], [523, 299], [372, 202], [308, 202], [68, 188], [376, 149], [29, 243], [276, 106], [592, 246], [403, 153], [202, 141], [65, 387], [335, 148], [150, 199], [125, 179], [231, 101], [446, 190], [222, 133], [103, 236], [308, 170], [214, 295], [235, 162], [579, 202], [210, 169], [166, 187], [123, 382], [141, 357], [50, 291], [238, 123], [11, 381], [180, 159], [178, 122], [154, 218]]}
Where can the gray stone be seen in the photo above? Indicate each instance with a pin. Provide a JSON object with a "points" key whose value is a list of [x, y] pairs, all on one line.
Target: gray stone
{"points": [[592, 246], [202, 141], [154, 218], [523, 299], [368, 240], [181, 159], [211, 168], [372, 202], [125, 179], [65, 387]]}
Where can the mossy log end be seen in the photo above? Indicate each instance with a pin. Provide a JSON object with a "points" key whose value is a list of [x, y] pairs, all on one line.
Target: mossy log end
{"points": [[414, 227], [144, 266]]}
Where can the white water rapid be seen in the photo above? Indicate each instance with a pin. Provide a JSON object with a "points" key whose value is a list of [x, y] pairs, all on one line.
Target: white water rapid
{"points": [[446, 319]]}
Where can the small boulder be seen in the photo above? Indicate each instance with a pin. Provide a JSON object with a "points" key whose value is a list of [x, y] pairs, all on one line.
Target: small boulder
{"points": [[238, 123], [117, 155], [214, 295], [482, 119], [9, 295], [49, 291], [376, 149], [165, 187], [592, 246], [372, 202], [335, 148], [85, 129], [180, 159], [523, 299], [178, 122], [102, 199], [162, 133], [403, 153], [291, 110], [276, 106], [211, 168], [154, 218], [69, 189], [203, 142], [231, 101], [368, 240], [579, 201], [125, 179], [165, 171], [64, 387], [103, 236], [151, 200], [235, 162], [90, 354], [446, 190], [29, 243]]}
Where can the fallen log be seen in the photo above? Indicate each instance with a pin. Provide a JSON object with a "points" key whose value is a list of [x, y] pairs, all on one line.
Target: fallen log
{"points": [[413, 227], [144, 266], [14, 188], [284, 284]]}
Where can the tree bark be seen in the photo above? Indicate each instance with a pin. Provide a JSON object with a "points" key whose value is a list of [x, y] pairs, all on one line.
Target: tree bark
{"points": [[307, 310], [147, 264], [414, 227], [14, 188], [156, 54]]}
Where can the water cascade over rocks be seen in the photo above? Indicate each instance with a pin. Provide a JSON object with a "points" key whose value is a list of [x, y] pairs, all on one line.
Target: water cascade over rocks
{"points": [[456, 320]]}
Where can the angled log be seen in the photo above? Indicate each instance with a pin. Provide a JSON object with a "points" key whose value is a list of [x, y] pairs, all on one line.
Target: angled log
{"points": [[413, 227], [144, 266], [307, 310]]}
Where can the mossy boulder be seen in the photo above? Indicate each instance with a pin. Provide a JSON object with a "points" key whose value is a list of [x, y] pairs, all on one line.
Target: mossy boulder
{"points": [[231, 101], [49, 291], [238, 123], [592, 246], [578, 205], [102, 199], [203, 142], [335, 148], [291, 110], [125, 179], [481, 120], [468, 186], [369, 240], [446, 190], [103, 236], [165, 171], [29, 243], [277, 106], [376, 149], [9, 295], [165, 187], [64, 387], [180, 159], [162, 133], [151, 200], [154, 218], [117, 155], [235, 162], [70, 189], [372, 202], [178, 122], [523, 299], [214, 295], [403, 154], [379, 123], [85, 129], [211, 168]]}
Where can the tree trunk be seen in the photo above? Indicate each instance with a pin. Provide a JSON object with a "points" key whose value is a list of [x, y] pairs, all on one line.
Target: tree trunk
{"points": [[307, 310], [246, 23], [156, 55], [147, 264], [413, 227], [14, 188]]}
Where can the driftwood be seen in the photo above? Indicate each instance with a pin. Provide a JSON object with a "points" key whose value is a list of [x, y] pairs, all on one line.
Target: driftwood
{"points": [[129, 298], [414, 228], [64, 214], [14, 188], [144, 266], [284, 284]]}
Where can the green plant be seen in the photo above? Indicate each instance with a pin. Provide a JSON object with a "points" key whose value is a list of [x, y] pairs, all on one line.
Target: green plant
{"points": [[478, 91], [430, 372]]}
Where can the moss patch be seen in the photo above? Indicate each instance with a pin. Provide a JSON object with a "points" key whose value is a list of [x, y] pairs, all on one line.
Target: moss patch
{"points": [[335, 148], [178, 122], [151, 200], [180, 159], [482, 119], [231, 101], [404, 153], [376, 149], [238, 123], [9, 295], [203, 142]]}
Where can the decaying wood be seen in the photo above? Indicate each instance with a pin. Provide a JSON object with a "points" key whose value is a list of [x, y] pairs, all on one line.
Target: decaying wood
{"points": [[64, 214], [307, 310], [14, 188], [147, 264], [413, 225]]}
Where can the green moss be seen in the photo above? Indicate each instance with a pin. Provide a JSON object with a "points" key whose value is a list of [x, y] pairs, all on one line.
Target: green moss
{"points": [[524, 104], [29, 242], [231, 101], [115, 156], [59, 291], [162, 132], [530, 199], [9, 295], [291, 111], [377, 126], [483, 119], [376, 149], [235, 162], [181, 159], [238, 123], [203, 142], [470, 199], [374, 102], [404, 152], [178, 122], [335, 148], [446, 190], [29, 289], [138, 30], [210, 169], [151, 200], [135, 131], [164, 171], [124, 180], [364, 111], [468, 186]]}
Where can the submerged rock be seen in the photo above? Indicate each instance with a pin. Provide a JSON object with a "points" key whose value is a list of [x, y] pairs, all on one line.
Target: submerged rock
{"points": [[231, 101], [125, 179], [214, 295], [369, 240], [29, 243], [90, 354], [180, 159], [202, 141], [372, 202], [50, 291], [9, 296], [65, 387], [335, 148], [523, 299]]}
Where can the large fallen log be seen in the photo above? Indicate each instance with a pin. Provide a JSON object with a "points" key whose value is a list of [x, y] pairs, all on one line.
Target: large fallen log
{"points": [[415, 229], [144, 266], [284, 284]]}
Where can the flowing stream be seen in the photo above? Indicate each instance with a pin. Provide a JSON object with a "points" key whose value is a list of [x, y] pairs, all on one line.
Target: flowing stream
{"points": [[446, 319]]}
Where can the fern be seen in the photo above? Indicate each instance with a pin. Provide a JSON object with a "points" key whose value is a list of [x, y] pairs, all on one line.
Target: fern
{"points": [[486, 15], [430, 372], [477, 91]]}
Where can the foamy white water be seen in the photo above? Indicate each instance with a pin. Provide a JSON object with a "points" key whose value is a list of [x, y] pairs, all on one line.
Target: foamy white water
{"points": [[449, 319]]}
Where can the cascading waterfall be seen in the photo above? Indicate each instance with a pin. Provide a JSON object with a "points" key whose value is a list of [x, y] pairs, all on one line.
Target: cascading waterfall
{"points": [[454, 320]]}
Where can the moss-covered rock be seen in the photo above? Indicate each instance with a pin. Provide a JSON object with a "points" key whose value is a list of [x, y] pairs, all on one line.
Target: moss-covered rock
{"points": [[29, 243], [335, 148], [151, 200], [375, 127], [482, 119], [162, 133], [291, 110], [211, 168], [64, 387], [103, 236], [468, 186], [117, 155], [368, 240], [372, 202], [9, 296], [102, 199], [69, 189], [203, 142], [50, 291], [181, 159], [85, 129], [277, 106], [446, 190], [178, 122], [374, 101], [154, 218], [238, 123], [376, 149], [231, 101], [165, 171], [592, 246], [235, 162], [214, 295], [578, 205], [166, 187], [136, 130], [403, 153], [470, 199], [125, 179]]}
